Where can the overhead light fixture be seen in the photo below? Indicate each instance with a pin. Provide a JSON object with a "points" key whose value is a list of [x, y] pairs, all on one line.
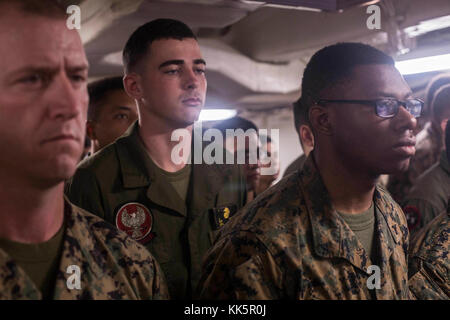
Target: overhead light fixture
{"points": [[426, 64], [428, 26], [281, 6], [216, 114]]}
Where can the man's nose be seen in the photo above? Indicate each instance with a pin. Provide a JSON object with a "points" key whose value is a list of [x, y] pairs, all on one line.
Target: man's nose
{"points": [[65, 100], [404, 120], [190, 80]]}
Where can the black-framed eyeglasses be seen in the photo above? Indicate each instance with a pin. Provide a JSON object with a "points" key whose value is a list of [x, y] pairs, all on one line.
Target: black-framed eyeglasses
{"points": [[386, 108]]}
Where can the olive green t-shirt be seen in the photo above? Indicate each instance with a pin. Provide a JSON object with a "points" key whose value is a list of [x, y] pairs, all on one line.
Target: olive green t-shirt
{"points": [[363, 225], [179, 180], [40, 261]]}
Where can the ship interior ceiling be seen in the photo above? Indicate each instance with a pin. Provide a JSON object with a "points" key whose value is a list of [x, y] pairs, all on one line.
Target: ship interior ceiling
{"points": [[256, 50]]}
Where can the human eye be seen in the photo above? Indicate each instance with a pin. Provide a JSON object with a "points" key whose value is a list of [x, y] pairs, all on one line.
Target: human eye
{"points": [[172, 71], [414, 106], [200, 71], [31, 79], [387, 108], [121, 116], [78, 78]]}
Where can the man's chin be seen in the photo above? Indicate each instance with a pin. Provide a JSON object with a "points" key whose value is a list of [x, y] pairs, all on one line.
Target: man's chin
{"points": [[53, 179], [397, 167], [64, 167], [193, 114]]}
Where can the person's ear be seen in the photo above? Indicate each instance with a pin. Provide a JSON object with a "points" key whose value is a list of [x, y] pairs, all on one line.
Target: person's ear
{"points": [[90, 130], [132, 83], [443, 124], [320, 119], [307, 136]]}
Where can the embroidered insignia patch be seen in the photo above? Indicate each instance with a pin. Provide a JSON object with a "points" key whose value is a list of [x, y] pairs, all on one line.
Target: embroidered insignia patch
{"points": [[136, 220], [413, 216], [221, 215]]}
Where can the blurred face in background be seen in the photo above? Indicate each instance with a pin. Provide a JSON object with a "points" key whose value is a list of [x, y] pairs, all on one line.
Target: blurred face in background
{"points": [[246, 146], [117, 111], [272, 160]]}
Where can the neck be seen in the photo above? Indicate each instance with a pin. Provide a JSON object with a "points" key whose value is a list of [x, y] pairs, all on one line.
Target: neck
{"points": [[30, 214], [156, 137], [351, 191]]}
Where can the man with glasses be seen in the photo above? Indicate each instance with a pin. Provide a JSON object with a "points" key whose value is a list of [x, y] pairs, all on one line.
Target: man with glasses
{"points": [[175, 208], [329, 231]]}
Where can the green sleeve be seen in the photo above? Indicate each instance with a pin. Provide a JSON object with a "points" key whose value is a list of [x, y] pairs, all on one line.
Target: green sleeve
{"points": [[83, 190]]}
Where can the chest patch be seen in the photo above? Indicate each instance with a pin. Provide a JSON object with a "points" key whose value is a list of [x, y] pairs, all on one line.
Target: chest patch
{"points": [[413, 216], [136, 220], [221, 215]]}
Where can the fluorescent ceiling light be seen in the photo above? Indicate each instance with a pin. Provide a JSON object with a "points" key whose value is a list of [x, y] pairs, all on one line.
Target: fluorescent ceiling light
{"points": [[426, 64], [216, 114], [428, 26], [281, 6]]}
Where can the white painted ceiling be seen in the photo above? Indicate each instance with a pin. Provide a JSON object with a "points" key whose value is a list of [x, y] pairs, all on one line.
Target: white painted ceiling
{"points": [[256, 50]]}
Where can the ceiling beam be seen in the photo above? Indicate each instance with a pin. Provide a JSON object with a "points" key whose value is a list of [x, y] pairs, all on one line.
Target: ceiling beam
{"points": [[326, 5]]}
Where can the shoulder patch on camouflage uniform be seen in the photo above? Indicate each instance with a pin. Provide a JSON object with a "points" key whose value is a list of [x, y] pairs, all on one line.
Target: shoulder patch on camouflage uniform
{"points": [[136, 220], [220, 215], [413, 216]]}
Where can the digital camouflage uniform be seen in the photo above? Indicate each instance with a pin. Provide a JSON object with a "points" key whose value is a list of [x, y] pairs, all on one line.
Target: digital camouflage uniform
{"points": [[297, 164], [428, 198], [178, 233], [291, 243], [428, 149], [429, 262], [112, 265]]}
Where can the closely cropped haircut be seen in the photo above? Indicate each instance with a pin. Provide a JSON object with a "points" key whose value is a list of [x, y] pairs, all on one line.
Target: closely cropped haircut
{"points": [[235, 123], [335, 63], [434, 84], [440, 105], [141, 39], [44, 8], [97, 92]]}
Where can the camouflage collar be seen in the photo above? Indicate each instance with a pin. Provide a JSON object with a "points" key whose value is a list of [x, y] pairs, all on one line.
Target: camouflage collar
{"points": [[80, 254], [75, 252], [331, 235]]}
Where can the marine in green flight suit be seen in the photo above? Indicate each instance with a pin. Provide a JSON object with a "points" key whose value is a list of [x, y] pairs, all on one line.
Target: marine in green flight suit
{"points": [[173, 208], [178, 232]]}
